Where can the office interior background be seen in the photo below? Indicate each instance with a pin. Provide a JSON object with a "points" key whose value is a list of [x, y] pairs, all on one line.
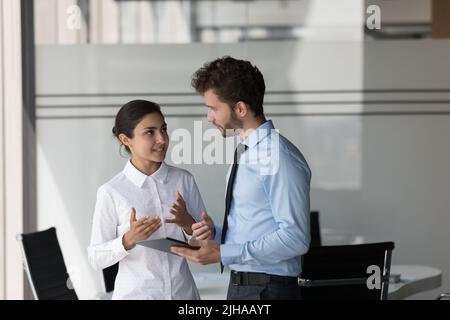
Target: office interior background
{"points": [[369, 107]]}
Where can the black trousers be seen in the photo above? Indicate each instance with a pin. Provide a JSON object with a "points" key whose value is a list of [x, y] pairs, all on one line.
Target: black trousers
{"points": [[270, 291]]}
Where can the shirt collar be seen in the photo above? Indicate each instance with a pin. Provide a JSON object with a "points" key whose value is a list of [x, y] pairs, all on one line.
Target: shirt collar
{"points": [[138, 178], [259, 134]]}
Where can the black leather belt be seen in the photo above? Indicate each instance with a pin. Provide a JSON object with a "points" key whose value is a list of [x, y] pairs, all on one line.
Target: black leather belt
{"points": [[256, 278]]}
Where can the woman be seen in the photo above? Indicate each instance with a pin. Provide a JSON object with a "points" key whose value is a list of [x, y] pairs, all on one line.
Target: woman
{"points": [[147, 200]]}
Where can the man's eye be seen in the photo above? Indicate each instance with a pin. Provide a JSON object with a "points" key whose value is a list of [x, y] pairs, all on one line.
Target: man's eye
{"points": [[164, 130], [151, 132]]}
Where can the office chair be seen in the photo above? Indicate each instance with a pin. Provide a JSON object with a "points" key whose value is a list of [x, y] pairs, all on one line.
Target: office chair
{"points": [[315, 229], [109, 277], [44, 265], [341, 272]]}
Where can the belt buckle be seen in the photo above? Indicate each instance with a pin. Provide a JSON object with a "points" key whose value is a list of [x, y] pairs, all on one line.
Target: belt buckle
{"points": [[238, 278]]}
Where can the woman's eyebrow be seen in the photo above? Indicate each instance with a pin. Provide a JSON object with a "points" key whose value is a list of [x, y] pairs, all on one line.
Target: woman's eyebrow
{"points": [[153, 128]]}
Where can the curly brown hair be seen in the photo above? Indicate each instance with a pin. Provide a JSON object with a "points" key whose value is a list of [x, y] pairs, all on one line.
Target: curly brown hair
{"points": [[232, 80]]}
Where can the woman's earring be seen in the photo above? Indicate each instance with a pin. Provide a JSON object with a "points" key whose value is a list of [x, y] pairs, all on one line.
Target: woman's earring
{"points": [[120, 151]]}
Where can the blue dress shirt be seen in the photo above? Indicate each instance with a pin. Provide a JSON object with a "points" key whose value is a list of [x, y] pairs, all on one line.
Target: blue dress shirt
{"points": [[268, 222]]}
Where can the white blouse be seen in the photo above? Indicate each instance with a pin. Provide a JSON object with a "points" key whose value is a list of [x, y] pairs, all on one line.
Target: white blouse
{"points": [[144, 273]]}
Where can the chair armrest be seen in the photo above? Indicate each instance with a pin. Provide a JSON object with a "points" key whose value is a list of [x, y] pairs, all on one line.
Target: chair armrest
{"points": [[334, 282]]}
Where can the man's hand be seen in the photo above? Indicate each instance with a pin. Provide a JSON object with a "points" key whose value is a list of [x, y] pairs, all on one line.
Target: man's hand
{"points": [[208, 253], [204, 230], [139, 229]]}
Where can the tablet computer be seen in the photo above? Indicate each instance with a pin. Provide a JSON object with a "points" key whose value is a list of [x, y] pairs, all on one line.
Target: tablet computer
{"points": [[164, 244]]}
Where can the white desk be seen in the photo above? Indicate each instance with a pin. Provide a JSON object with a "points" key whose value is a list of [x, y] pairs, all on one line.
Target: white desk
{"points": [[413, 279]]}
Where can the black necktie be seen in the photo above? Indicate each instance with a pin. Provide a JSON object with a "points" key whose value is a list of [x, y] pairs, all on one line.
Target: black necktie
{"points": [[237, 154]]}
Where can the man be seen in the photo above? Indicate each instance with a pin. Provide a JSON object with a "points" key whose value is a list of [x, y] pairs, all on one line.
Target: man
{"points": [[266, 224]]}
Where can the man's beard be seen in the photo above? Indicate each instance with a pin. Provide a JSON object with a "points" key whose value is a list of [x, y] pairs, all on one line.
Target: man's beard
{"points": [[232, 128]]}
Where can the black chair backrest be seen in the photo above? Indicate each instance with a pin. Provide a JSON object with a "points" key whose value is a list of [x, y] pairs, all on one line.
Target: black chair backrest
{"points": [[346, 262], [315, 229], [46, 267], [109, 276]]}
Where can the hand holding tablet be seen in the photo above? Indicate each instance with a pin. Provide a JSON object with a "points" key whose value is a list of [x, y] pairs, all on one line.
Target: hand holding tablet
{"points": [[165, 244]]}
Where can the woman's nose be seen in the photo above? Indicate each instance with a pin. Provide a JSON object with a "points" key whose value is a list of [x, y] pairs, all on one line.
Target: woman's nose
{"points": [[161, 138]]}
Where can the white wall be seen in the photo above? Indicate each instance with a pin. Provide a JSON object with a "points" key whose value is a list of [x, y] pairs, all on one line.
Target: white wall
{"points": [[11, 170], [379, 169]]}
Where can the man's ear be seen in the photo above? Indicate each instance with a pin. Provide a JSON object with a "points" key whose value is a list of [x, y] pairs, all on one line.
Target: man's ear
{"points": [[241, 109], [124, 139]]}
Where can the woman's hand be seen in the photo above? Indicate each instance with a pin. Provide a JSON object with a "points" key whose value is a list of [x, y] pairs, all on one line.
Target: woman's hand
{"points": [[181, 217], [204, 230], [139, 229]]}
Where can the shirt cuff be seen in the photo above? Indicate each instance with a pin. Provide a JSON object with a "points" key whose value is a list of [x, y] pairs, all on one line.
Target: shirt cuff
{"points": [[230, 253], [119, 249], [187, 237]]}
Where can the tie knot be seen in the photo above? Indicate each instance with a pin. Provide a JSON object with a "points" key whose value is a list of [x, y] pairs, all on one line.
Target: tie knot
{"points": [[240, 149]]}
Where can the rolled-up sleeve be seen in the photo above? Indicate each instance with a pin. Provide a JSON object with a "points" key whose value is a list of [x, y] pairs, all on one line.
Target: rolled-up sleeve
{"points": [[106, 247]]}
